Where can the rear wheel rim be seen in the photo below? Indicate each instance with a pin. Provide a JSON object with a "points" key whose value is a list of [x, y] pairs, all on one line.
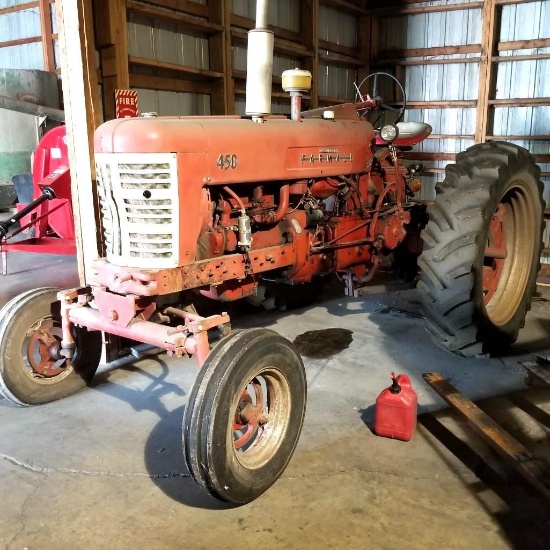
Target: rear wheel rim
{"points": [[508, 254]]}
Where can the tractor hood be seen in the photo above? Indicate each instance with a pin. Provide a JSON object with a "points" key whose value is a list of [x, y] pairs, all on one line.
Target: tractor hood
{"points": [[278, 148]]}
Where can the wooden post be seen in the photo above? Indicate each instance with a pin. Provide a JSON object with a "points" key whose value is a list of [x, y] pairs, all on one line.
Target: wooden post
{"points": [[76, 46], [309, 22], [487, 72], [223, 99], [112, 42], [46, 32], [364, 33]]}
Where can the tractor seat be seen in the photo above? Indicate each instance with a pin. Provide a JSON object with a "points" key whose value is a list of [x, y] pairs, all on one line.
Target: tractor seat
{"points": [[410, 133]]}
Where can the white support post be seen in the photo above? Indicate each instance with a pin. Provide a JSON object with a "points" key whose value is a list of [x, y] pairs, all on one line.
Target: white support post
{"points": [[81, 120]]}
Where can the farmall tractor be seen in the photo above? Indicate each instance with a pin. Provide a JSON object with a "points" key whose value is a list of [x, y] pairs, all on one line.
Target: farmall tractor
{"points": [[224, 206]]}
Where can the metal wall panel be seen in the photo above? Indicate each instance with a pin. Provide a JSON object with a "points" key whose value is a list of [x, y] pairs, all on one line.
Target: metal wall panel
{"points": [[337, 26], [456, 121], [277, 107], [25, 56], [445, 82], [282, 13], [525, 21], [529, 78], [11, 3], [336, 81], [16, 26], [173, 103], [433, 29], [280, 62], [167, 42]]}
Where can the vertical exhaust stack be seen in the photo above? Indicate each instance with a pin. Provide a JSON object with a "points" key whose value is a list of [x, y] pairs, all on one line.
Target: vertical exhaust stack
{"points": [[259, 67]]}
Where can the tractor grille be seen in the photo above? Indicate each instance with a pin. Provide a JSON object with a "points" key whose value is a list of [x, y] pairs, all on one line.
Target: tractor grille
{"points": [[138, 196]]}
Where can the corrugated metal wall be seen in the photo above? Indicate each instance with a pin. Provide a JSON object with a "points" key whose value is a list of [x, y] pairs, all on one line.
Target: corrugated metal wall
{"points": [[335, 81], [438, 82], [163, 41], [15, 26], [460, 81]]}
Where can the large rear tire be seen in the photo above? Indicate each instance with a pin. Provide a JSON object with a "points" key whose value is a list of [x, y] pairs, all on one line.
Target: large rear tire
{"points": [[244, 415], [32, 372], [482, 249]]}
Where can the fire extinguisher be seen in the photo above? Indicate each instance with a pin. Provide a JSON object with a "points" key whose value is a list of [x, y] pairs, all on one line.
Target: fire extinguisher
{"points": [[395, 412]]}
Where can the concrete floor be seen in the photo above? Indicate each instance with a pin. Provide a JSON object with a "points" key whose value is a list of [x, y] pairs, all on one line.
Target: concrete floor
{"points": [[104, 468]]}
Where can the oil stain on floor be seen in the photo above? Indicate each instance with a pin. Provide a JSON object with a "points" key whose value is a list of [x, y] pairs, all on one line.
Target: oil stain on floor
{"points": [[320, 344]]}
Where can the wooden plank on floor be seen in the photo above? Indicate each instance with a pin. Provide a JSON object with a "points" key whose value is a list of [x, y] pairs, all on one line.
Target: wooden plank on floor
{"points": [[540, 370], [535, 471]]}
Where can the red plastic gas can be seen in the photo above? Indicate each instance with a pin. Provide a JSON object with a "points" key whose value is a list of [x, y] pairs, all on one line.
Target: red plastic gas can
{"points": [[395, 413]]}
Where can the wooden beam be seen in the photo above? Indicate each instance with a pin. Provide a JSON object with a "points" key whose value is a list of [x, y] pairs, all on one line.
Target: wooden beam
{"points": [[218, 56], [281, 45], [191, 72], [345, 6], [169, 84], [538, 369], [326, 101], [509, 58], [424, 52], [229, 83], [438, 104], [87, 38], [397, 11], [246, 23], [414, 155], [505, 2], [80, 124], [364, 37], [46, 32], [531, 468], [188, 21], [520, 102], [487, 73], [112, 41], [524, 44], [20, 41], [309, 21], [412, 62], [337, 48], [519, 138], [340, 60], [451, 136], [186, 6]]}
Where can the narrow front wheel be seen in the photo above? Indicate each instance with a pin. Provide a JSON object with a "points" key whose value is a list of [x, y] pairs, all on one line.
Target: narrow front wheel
{"points": [[245, 415]]}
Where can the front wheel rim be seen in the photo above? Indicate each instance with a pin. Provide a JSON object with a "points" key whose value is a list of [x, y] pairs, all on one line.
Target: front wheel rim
{"points": [[261, 417]]}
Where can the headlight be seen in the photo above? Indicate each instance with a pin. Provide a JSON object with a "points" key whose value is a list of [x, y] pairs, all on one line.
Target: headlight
{"points": [[389, 132]]}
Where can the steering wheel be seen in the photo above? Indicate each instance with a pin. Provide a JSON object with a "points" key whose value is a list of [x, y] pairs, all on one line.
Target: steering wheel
{"points": [[362, 91]]}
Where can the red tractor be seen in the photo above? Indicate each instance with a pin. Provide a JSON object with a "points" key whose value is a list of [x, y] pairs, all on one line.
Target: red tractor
{"points": [[224, 206]]}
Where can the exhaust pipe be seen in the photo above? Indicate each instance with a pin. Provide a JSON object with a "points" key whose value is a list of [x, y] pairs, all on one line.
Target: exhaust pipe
{"points": [[259, 66]]}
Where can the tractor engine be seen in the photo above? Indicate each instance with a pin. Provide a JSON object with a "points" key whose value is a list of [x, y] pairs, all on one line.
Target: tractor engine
{"points": [[222, 201]]}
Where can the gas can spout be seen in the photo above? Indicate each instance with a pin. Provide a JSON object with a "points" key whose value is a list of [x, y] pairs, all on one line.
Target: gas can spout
{"points": [[395, 387]]}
